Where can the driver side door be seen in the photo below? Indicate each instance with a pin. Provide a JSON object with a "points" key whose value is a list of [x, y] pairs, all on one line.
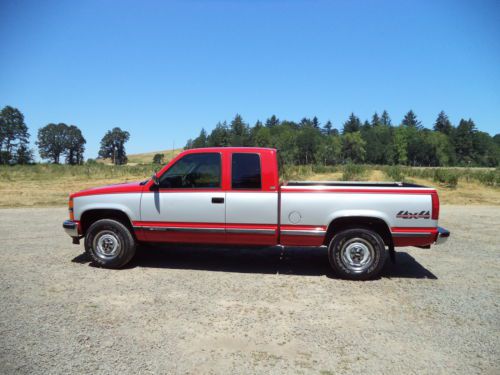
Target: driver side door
{"points": [[189, 205]]}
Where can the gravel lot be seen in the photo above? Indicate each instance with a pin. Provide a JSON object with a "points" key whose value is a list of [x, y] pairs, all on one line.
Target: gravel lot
{"points": [[192, 310]]}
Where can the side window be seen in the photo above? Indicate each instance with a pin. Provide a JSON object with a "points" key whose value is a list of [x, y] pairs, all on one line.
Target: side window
{"points": [[246, 171], [193, 171]]}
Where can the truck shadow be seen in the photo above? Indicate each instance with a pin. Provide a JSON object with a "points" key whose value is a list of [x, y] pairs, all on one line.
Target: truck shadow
{"points": [[274, 260]]}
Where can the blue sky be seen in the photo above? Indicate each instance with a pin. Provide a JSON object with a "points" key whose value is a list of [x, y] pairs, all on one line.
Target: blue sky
{"points": [[164, 69]]}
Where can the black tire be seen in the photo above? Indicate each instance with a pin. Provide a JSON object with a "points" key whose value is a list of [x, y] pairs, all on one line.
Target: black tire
{"points": [[110, 243], [347, 250]]}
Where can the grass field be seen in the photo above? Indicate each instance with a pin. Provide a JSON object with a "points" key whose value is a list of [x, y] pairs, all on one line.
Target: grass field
{"points": [[44, 185]]}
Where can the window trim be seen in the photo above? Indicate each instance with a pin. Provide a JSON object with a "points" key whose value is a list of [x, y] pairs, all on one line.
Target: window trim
{"points": [[221, 174], [260, 171]]}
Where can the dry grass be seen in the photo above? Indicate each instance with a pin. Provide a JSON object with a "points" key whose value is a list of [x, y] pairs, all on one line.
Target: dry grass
{"points": [[48, 185]]}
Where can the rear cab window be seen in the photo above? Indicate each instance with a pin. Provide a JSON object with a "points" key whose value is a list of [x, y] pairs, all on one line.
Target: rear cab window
{"points": [[246, 171]]}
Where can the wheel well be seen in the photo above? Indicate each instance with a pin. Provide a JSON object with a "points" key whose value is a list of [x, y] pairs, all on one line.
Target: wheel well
{"points": [[91, 216], [373, 223]]}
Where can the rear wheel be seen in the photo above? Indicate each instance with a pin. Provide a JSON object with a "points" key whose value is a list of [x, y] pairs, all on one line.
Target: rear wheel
{"points": [[110, 243], [357, 254]]}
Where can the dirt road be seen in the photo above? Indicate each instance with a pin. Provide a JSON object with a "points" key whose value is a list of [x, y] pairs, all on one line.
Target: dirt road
{"points": [[242, 311]]}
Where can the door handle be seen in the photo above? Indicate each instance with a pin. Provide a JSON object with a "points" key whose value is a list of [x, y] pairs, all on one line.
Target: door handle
{"points": [[217, 200]]}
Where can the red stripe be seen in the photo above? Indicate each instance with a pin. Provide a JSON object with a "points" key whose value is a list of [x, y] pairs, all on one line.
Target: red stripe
{"points": [[413, 229]]}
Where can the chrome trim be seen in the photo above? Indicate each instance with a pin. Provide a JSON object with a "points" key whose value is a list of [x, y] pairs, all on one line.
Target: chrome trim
{"points": [[442, 236], [312, 232], [411, 234], [180, 229], [71, 228], [249, 231]]}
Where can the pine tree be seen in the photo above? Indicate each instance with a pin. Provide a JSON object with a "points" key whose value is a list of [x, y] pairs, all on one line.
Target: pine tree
{"points": [[272, 122], [443, 124], [376, 120], [353, 124], [327, 128], [410, 120], [385, 119]]}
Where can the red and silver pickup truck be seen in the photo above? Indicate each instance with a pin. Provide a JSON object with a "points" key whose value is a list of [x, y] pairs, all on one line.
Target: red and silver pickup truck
{"points": [[233, 196]]}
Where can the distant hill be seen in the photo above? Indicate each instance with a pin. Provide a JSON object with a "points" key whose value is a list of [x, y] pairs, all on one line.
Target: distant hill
{"points": [[147, 157]]}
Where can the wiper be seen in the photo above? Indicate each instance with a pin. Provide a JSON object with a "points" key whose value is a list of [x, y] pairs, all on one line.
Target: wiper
{"points": [[142, 183]]}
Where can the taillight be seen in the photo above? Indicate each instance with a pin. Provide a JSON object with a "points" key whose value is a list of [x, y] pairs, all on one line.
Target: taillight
{"points": [[70, 208], [435, 206]]}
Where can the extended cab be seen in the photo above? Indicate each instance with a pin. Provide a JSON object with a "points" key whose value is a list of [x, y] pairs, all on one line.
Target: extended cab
{"points": [[233, 196]]}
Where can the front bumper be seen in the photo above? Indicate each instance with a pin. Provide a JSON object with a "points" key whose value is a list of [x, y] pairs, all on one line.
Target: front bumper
{"points": [[71, 228], [442, 235]]}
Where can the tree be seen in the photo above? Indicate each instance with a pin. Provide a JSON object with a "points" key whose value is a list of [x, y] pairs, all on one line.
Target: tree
{"points": [[463, 140], [443, 124], [410, 120], [376, 120], [385, 119], [327, 128], [56, 140], [113, 146], [329, 150], [24, 155], [400, 145], [52, 142], [13, 135], [158, 158], [308, 139], [353, 124], [379, 144], [240, 134], [201, 140], [262, 137], [220, 136], [353, 147], [315, 122], [75, 145], [272, 121]]}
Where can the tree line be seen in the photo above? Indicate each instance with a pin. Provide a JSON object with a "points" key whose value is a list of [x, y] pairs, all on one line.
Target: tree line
{"points": [[56, 143], [377, 141]]}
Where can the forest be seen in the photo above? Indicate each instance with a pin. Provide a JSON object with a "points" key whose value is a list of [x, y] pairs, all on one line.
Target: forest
{"points": [[377, 141]]}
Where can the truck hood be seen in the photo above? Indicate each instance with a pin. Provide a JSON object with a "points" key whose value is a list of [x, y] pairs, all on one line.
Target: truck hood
{"points": [[125, 187]]}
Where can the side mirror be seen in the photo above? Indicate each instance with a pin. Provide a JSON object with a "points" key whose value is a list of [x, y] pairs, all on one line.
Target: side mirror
{"points": [[155, 179]]}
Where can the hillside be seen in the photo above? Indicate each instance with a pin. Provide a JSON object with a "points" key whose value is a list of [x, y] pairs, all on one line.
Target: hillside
{"points": [[147, 157]]}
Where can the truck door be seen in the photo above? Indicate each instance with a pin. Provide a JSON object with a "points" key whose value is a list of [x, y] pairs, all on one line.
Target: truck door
{"points": [[251, 205], [189, 205]]}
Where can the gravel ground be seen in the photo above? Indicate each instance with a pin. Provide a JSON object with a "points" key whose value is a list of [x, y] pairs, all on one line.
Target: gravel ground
{"points": [[242, 311]]}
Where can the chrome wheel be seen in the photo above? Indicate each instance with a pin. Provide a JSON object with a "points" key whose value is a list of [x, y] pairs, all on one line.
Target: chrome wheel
{"points": [[357, 254], [106, 245]]}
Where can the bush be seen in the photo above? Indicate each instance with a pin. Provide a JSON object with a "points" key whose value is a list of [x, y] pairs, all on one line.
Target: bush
{"points": [[395, 173], [353, 172]]}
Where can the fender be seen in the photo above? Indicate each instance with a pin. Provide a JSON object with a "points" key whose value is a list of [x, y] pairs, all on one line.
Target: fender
{"points": [[128, 203], [359, 213]]}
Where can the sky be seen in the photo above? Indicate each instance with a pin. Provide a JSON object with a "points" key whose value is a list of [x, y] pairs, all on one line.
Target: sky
{"points": [[162, 70]]}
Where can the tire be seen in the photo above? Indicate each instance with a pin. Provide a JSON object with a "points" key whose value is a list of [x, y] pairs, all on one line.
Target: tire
{"points": [[110, 243], [357, 254]]}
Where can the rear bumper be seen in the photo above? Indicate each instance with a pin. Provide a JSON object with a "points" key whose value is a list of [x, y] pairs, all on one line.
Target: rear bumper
{"points": [[442, 235], [71, 228]]}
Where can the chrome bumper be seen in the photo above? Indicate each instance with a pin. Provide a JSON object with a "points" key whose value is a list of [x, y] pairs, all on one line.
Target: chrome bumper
{"points": [[71, 228], [442, 236]]}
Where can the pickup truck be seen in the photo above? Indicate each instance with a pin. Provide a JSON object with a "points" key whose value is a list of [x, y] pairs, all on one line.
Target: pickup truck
{"points": [[233, 196]]}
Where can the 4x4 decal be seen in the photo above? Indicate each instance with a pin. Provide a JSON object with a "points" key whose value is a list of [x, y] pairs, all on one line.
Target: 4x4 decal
{"points": [[413, 215]]}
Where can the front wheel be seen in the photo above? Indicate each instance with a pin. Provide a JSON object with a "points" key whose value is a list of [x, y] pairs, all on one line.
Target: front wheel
{"points": [[110, 243], [357, 254]]}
